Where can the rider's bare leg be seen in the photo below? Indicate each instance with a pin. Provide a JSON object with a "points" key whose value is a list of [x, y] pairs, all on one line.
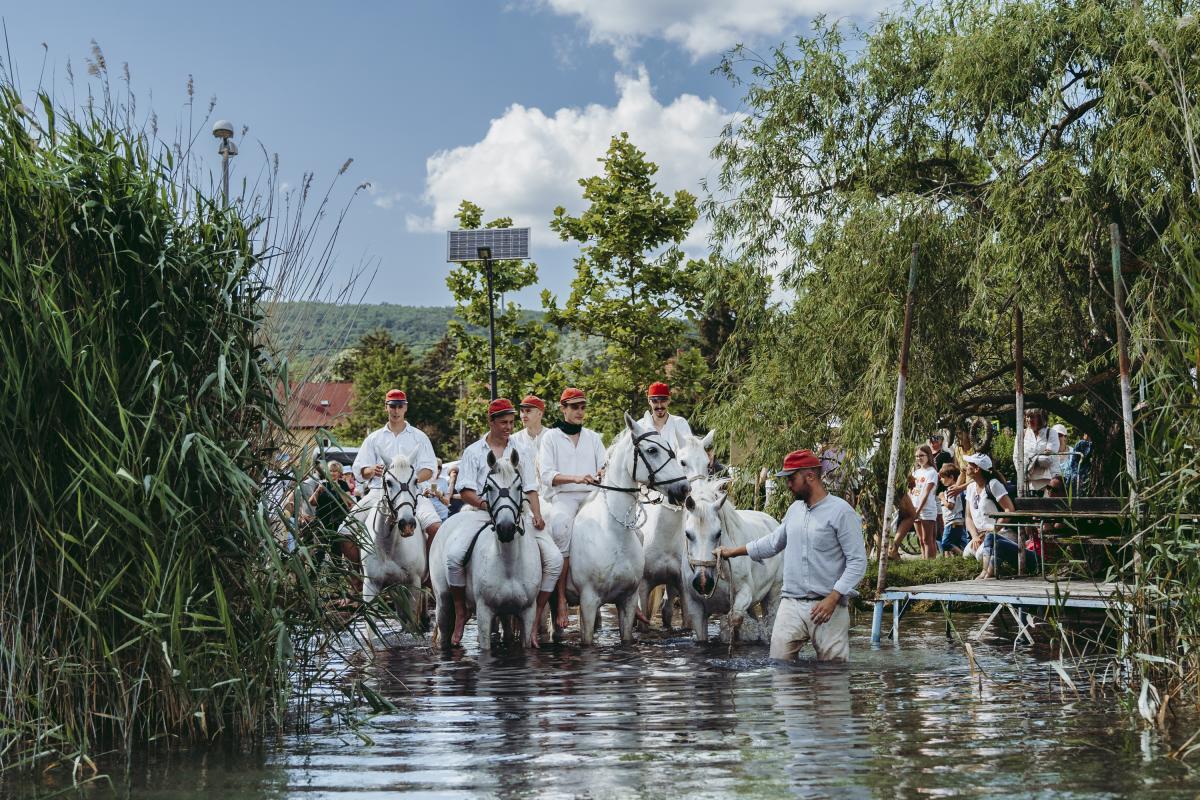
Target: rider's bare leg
{"points": [[542, 599], [562, 593], [459, 593]]}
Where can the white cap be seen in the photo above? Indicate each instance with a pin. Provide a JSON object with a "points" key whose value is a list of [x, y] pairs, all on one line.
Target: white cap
{"points": [[1058, 427], [981, 460]]}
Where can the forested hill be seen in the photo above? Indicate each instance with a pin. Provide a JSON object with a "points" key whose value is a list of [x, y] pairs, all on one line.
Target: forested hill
{"points": [[313, 329]]}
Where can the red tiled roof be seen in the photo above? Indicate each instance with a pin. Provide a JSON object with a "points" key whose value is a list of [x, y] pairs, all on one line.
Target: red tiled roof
{"points": [[319, 404]]}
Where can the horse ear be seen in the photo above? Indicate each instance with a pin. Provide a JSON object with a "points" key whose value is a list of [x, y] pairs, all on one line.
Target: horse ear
{"points": [[491, 459], [516, 458], [708, 439], [632, 424]]}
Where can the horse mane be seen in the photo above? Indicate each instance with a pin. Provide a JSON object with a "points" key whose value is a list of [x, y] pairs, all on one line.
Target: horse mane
{"points": [[622, 446], [506, 471]]}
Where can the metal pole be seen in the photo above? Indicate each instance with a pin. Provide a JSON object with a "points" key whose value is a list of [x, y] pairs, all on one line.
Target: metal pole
{"points": [[487, 264], [894, 454], [1019, 369], [225, 170]]}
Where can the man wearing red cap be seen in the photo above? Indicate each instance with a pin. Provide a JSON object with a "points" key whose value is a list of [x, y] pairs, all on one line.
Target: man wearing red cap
{"points": [[824, 559], [473, 471], [394, 438], [533, 408], [572, 458], [674, 428]]}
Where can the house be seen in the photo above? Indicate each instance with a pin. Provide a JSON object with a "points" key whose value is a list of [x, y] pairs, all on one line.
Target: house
{"points": [[317, 405]]}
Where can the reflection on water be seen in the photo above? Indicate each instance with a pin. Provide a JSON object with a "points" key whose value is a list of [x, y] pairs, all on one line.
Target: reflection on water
{"points": [[669, 719]]}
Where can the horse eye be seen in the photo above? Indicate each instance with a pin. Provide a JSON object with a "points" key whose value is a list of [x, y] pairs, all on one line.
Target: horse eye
{"points": [[682, 463], [691, 537], [652, 450]]}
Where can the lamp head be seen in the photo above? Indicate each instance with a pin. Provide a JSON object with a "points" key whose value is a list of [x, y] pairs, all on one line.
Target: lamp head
{"points": [[222, 129], [485, 253]]}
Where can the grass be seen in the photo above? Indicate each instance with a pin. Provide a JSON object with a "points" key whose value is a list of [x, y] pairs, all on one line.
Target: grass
{"points": [[912, 572]]}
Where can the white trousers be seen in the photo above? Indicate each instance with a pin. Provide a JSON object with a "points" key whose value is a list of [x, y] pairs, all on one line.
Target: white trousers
{"points": [[794, 626], [562, 518], [456, 552]]}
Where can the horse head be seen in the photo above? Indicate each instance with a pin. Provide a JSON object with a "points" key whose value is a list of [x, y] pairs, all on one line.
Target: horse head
{"points": [[655, 463], [693, 456], [504, 494], [398, 503], [703, 529]]}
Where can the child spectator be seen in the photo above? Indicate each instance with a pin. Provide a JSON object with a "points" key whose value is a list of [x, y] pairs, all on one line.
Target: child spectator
{"points": [[924, 493], [954, 531]]}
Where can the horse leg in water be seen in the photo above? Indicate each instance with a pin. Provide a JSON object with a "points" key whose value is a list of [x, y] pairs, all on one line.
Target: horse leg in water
{"points": [[528, 622], [644, 595], [445, 619], [484, 624], [668, 606], [626, 615], [738, 607], [589, 610], [696, 616]]}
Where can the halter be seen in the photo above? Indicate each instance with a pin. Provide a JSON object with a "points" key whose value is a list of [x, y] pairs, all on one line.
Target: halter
{"points": [[392, 515], [505, 493], [651, 471]]}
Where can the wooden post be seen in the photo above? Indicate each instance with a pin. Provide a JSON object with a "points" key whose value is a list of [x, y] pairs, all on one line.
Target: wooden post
{"points": [[894, 455], [1019, 369]]}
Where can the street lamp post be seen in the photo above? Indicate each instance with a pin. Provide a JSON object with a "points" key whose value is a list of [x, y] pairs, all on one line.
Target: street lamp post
{"points": [[223, 130], [487, 245]]}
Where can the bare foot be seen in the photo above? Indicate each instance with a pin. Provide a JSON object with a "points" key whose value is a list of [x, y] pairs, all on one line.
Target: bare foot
{"points": [[533, 639], [456, 637], [562, 618], [983, 576], [642, 618]]}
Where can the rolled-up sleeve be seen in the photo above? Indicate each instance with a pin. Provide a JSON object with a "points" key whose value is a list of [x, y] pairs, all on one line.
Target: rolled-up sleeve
{"points": [[771, 544], [850, 536], [425, 457], [365, 456], [468, 471]]}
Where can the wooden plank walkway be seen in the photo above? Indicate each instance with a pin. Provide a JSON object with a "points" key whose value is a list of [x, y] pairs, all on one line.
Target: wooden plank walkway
{"points": [[1078, 593]]}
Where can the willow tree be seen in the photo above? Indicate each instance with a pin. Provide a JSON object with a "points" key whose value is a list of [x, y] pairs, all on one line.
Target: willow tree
{"points": [[1002, 140], [634, 289]]}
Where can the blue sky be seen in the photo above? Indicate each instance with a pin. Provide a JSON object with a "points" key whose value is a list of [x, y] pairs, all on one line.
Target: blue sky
{"points": [[503, 103]]}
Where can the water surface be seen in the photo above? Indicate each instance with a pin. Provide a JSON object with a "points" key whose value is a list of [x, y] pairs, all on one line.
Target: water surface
{"points": [[670, 719]]}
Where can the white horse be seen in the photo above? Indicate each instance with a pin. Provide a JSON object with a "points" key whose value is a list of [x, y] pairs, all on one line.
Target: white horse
{"points": [[504, 567], [663, 533], [730, 587], [606, 546], [393, 556]]}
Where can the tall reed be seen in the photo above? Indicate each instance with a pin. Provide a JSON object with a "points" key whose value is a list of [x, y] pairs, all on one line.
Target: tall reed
{"points": [[142, 595]]}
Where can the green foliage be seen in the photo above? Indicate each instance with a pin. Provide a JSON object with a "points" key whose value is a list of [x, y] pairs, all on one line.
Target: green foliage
{"points": [[633, 288], [999, 139], [527, 355], [144, 594]]}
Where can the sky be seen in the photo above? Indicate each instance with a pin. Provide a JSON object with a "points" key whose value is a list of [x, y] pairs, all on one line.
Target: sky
{"points": [[507, 104]]}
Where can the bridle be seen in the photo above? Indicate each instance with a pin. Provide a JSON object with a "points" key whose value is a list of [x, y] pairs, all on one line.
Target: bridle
{"points": [[504, 493], [652, 480], [391, 514]]}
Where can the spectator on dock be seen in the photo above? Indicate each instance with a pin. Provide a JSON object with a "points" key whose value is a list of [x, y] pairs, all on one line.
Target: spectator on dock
{"points": [[924, 494], [954, 534], [906, 518], [1079, 466], [1041, 452], [941, 457], [985, 498]]}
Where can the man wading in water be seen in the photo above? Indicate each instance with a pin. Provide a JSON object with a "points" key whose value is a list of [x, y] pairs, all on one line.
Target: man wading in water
{"points": [[825, 559]]}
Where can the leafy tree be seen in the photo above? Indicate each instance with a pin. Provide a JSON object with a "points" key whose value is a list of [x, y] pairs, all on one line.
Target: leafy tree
{"points": [[527, 357], [436, 411], [380, 363], [1002, 140], [633, 289]]}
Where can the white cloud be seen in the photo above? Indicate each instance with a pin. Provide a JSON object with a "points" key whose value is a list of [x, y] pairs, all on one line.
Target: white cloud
{"points": [[382, 197], [702, 27], [529, 162]]}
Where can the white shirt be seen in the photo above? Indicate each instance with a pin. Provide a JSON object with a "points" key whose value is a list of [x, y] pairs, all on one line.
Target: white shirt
{"points": [[983, 510], [381, 446], [559, 456], [533, 445], [925, 476], [676, 429], [473, 466], [1041, 450]]}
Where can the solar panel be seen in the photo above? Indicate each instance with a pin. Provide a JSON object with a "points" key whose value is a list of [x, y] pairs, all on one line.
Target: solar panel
{"points": [[504, 243]]}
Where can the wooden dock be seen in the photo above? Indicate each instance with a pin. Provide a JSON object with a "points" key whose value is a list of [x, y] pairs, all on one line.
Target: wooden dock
{"points": [[1011, 594]]}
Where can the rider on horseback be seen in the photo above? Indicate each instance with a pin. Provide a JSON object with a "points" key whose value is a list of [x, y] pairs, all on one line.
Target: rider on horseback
{"points": [[572, 459], [673, 427], [473, 472]]}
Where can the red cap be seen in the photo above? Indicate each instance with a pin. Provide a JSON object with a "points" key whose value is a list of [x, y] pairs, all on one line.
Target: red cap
{"points": [[499, 407], [658, 389], [396, 394], [533, 401], [798, 459], [571, 394]]}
